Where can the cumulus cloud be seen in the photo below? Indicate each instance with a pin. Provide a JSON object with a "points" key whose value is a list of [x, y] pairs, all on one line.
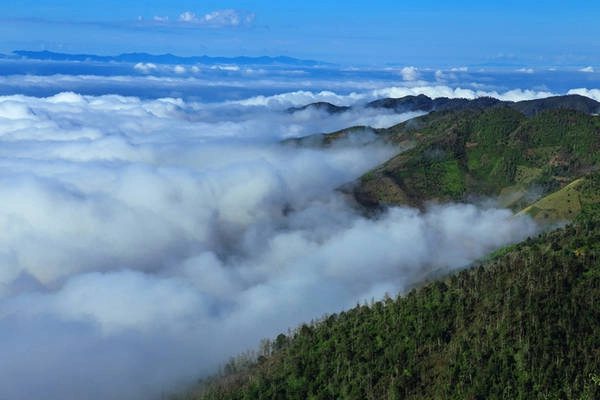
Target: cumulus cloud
{"points": [[587, 69], [145, 68], [187, 16], [145, 241], [591, 93], [409, 73], [219, 18]]}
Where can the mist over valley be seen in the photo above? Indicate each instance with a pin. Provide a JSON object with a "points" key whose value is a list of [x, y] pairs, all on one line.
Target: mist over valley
{"points": [[153, 224]]}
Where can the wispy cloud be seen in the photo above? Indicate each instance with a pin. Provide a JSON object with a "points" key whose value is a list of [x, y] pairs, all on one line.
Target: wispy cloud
{"points": [[228, 18], [587, 69], [526, 70]]}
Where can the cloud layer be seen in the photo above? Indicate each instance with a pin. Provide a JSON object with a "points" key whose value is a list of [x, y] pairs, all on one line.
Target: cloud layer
{"points": [[145, 241]]}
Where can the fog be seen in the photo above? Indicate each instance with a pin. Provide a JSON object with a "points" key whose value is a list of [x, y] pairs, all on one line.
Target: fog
{"points": [[144, 242]]}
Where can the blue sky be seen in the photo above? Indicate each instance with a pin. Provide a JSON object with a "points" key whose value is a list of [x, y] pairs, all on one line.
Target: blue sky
{"points": [[426, 33]]}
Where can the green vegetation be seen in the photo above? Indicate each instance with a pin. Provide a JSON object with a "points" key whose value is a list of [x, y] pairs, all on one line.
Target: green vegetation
{"points": [[496, 152], [522, 326]]}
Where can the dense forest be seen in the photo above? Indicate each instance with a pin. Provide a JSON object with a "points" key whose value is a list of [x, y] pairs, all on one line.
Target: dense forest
{"points": [[522, 323]]}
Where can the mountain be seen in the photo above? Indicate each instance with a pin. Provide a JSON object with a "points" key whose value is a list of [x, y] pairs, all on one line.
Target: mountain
{"points": [[523, 325], [496, 152], [528, 108], [162, 59], [426, 104], [321, 106]]}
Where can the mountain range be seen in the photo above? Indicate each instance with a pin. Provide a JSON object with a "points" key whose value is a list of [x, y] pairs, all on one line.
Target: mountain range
{"points": [[158, 59]]}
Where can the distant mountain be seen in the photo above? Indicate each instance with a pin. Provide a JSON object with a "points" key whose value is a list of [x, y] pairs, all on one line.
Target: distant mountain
{"points": [[321, 106], [162, 59], [427, 104]]}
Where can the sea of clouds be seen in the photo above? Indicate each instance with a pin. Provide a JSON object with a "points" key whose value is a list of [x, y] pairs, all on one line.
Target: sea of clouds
{"points": [[144, 241]]}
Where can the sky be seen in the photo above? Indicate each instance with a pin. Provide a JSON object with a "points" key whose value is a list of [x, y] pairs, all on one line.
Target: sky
{"points": [[426, 33]]}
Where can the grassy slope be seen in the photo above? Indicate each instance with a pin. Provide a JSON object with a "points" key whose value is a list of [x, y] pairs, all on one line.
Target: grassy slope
{"points": [[497, 152]]}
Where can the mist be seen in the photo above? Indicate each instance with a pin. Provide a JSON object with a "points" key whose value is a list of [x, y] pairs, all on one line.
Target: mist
{"points": [[144, 242]]}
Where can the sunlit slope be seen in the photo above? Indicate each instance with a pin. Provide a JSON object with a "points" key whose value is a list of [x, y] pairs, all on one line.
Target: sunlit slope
{"points": [[497, 152], [568, 202]]}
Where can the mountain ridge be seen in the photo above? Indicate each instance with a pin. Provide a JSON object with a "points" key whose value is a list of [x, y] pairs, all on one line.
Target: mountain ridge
{"points": [[425, 103], [46, 55]]}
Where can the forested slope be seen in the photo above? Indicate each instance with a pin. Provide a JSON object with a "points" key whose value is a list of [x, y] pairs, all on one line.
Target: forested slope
{"points": [[523, 325]]}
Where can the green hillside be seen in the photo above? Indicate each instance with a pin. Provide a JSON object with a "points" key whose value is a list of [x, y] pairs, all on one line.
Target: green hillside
{"points": [[496, 152], [523, 326], [566, 203]]}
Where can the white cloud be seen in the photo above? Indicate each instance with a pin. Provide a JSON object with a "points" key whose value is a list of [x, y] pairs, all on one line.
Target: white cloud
{"points": [[526, 70], [151, 236], [587, 69], [226, 67], [179, 69], [219, 18], [591, 93], [145, 68], [187, 17], [410, 73]]}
